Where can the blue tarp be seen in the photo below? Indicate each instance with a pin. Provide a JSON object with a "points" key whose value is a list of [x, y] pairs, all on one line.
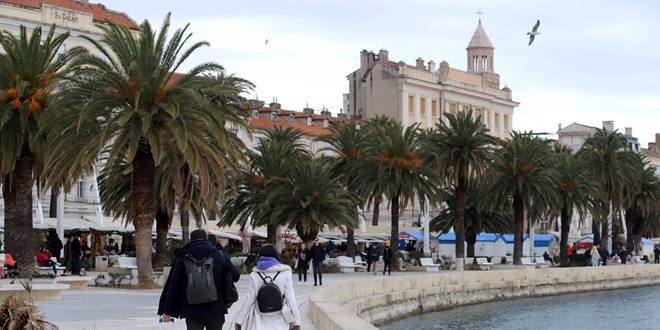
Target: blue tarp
{"points": [[487, 237], [543, 240], [448, 238], [508, 238]]}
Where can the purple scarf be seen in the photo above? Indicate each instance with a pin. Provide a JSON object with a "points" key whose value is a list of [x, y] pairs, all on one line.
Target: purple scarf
{"points": [[266, 262]]}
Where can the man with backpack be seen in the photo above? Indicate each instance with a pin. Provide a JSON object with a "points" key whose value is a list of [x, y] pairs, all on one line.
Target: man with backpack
{"points": [[197, 285]]}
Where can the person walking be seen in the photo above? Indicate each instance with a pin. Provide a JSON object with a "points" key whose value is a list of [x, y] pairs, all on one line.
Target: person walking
{"points": [[387, 260], [317, 259], [302, 263], [76, 252], [623, 255], [595, 256], [604, 254], [174, 299], [587, 254], [249, 317], [656, 253], [374, 257], [54, 244]]}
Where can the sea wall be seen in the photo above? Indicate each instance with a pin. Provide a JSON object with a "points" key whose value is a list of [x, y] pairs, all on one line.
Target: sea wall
{"points": [[364, 304]]}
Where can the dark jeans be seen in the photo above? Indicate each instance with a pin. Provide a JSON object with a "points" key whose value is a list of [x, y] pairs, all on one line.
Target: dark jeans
{"points": [[211, 322], [317, 267], [76, 265], [387, 267], [50, 263], [368, 266], [302, 273]]}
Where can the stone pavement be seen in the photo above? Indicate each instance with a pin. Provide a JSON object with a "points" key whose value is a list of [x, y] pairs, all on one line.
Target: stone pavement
{"points": [[100, 308]]}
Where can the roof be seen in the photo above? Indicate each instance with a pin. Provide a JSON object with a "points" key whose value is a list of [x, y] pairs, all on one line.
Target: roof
{"points": [[508, 238], [447, 238], [487, 237], [544, 237], [100, 13], [418, 235], [480, 38], [282, 121]]}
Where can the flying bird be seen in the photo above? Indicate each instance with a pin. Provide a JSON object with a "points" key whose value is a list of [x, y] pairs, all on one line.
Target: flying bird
{"points": [[533, 33], [266, 41]]}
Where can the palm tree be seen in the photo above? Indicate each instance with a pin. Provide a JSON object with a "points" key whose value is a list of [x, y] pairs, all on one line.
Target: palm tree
{"points": [[391, 166], [609, 157], [579, 189], [641, 202], [459, 151], [523, 181], [344, 140], [30, 71], [131, 103]]}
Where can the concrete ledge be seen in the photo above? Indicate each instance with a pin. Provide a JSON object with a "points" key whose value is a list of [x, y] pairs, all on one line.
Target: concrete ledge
{"points": [[361, 305], [39, 291], [75, 282]]}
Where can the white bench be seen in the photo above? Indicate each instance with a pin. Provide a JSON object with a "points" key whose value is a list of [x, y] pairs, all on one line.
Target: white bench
{"points": [[75, 282], [127, 266], [46, 270], [541, 263], [37, 292], [484, 264], [346, 265], [428, 264]]}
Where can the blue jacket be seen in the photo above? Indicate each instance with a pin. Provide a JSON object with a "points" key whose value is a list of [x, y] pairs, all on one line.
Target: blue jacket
{"points": [[173, 300]]}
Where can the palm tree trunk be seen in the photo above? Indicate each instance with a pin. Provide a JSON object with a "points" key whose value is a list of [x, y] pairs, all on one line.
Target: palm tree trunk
{"points": [[163, 221], [376, 215], [143, 208], [271, 233], [471, 239], [518, 221], [563, 240], [617, 231], [184, 204], [52, 210], [459, 221], [394, 239], [17, 193], [595, 231], [350, 242], [631, 214]]}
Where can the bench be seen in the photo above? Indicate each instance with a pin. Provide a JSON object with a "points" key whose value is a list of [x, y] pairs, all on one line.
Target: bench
{"points": [[484, 264], [541, 263], [346, 265], [127, 266], [38, 291], [46, 271], [74, 282], [428, 264]]}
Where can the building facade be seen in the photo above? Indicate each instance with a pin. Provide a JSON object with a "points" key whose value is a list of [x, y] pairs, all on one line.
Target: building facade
{"points": [[421, 93], [575, 134]]}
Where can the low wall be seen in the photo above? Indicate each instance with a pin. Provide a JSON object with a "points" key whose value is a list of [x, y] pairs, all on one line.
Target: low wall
{"points": [[362, 304]]}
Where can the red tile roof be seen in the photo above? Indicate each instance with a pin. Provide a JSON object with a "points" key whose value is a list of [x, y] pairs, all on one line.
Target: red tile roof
{"points": [[99, 12], [316, 129]]}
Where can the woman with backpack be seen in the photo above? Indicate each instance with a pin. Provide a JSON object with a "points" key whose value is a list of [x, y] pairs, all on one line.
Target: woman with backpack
{"points": [[262, 309]]}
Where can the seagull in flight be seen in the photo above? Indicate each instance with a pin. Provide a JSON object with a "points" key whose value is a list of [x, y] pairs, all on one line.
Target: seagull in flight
{"points": [[533, 33], [266, 41]]}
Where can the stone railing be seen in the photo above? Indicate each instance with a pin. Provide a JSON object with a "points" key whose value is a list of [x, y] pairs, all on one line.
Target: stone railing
{"points": [[363, 304]]}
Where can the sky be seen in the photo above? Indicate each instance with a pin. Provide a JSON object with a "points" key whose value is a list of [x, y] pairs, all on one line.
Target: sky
{"points": [[594, 61]]}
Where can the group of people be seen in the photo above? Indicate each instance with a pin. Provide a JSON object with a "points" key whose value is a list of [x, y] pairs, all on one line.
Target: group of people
{"points": [[211, 315], [314, 256], [53, 247]]}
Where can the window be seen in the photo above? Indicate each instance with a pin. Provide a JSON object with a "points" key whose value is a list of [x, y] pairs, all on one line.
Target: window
{"points": [[61, 51], [81, 188], [466, 108], [309, 121], [422, 107], [325, 123], [452, 107], [292, 118], [434, 108], [273, 116], [411, 104], [506, 122], [255, 113], [497, 120], [312, 147]]}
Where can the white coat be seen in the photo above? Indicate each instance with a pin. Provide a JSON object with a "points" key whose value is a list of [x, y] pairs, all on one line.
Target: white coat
{"points": [[249, 316]]}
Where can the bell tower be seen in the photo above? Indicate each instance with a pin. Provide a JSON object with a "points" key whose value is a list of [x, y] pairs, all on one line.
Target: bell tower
{"points": [[480, 57]]}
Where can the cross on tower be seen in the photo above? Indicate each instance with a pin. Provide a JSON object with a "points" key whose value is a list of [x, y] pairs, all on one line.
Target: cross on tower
{"points": [[479, 12]]}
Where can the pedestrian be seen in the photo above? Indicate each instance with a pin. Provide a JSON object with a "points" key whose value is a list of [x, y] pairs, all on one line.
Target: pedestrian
{"points": [[373, 255], [623, 255], [54, 244], [547, 257], [595, 256], [43, 259], [174, 300], [604, 254], [302, 263], [387, 260], [317, 259], [587, 254], [656, 253], [76, 252], [249, 317]]}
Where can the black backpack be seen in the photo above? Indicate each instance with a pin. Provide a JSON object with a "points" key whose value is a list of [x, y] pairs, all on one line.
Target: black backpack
{"points": [[201, 283], [269, 296]]}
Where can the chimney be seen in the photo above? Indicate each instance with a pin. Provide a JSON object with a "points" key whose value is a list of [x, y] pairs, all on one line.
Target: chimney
{"points": [[308, 111], [628, 131], [608, 125], [254, 103], [383, 55], [85, 3], [275, 106], [657, 143], [326, 113], [431, 66], [558, 127], [367, 59], [420, 64]]}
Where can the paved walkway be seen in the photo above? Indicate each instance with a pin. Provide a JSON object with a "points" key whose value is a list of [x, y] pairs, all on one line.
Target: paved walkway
{"points": [[99, 308]]}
